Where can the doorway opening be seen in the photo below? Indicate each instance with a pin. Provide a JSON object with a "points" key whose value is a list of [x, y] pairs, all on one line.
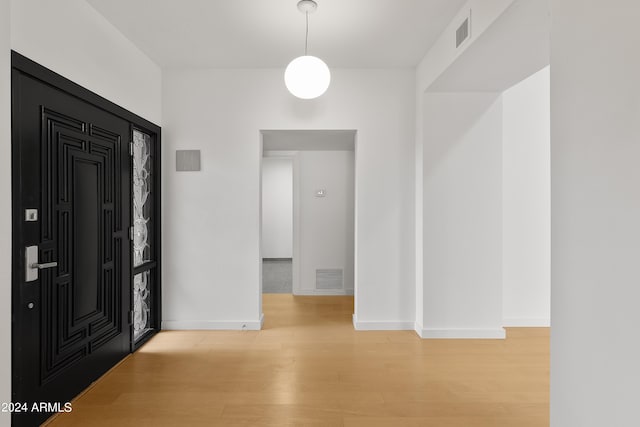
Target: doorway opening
{"points": [[277, 223], [308, 212]]}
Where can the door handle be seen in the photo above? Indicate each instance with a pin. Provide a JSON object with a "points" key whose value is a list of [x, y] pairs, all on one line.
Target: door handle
{"points": [[32, 266], [44, 265]]}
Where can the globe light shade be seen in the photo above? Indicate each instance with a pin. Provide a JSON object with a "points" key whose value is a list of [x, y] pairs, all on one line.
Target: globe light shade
{"points": [[307, 77]]}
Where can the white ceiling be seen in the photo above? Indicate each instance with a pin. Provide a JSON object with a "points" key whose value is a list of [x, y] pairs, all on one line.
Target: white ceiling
{"points": [[270, 33]]}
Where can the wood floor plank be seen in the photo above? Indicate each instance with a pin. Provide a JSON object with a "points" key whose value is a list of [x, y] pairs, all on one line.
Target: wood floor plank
{"points": [[308, 367]]}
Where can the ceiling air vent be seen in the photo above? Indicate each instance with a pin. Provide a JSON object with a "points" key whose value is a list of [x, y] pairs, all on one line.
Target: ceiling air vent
{"points": [[462, 33]]}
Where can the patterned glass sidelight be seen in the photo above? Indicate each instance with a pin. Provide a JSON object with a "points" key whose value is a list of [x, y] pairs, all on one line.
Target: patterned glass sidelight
{"points": [[141, 199], [142, 235], [141, 304]]}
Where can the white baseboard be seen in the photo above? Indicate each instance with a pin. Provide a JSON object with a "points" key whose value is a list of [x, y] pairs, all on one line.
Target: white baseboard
{"points": [[211, 325], [417, 327], [526, 322], [459, 333], [326, 292], [369, 325]]}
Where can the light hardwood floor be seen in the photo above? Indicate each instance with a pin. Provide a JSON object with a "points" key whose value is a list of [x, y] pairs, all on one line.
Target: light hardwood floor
{"points": [[308, 367]]}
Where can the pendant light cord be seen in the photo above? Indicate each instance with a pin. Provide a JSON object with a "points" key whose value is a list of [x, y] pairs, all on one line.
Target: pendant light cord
{"points": [[306, 36]]}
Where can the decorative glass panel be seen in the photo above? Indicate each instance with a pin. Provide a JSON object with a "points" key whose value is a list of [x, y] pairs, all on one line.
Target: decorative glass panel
{"points": [[141, 197], [141, 304]]}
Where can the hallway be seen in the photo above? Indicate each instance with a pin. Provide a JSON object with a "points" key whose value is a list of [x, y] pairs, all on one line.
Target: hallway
{"points": [[309, 367], [277, 276]]}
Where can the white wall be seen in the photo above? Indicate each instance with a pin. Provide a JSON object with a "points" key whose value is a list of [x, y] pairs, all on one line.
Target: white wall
{"points": [[221, 112], [419, 239], [437, 60], [326, 230], [595, 211], [74, 40], [277, 207], [5, 212], [462, 225], [526, 211]]}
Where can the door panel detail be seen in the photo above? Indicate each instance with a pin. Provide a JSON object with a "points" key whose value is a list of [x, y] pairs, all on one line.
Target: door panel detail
{"points": [[80, 297]]}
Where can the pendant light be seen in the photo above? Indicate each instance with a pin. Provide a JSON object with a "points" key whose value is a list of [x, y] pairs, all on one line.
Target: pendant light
{"points": [[307, 76]]}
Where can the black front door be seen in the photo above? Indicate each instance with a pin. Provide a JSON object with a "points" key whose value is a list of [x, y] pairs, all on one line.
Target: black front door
{"points": [[71, 208]]}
